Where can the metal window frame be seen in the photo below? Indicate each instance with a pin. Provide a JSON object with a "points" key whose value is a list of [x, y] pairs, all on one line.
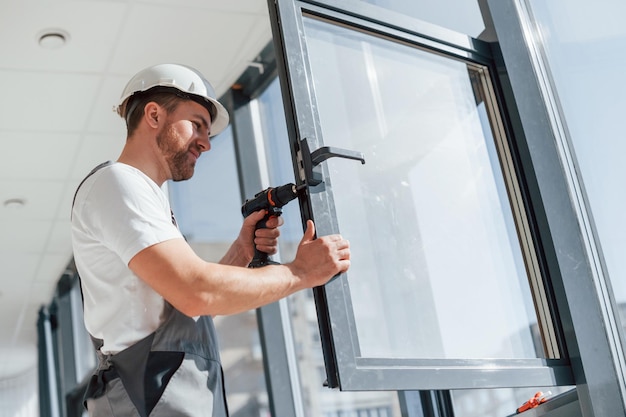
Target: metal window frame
{"points": [[49, 404], [279, 362], [344, 368], [64, 368], [587, 309]]}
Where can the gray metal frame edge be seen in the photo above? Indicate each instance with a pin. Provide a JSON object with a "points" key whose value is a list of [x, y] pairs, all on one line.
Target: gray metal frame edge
{"points": [[277, 364], [577, 277]]}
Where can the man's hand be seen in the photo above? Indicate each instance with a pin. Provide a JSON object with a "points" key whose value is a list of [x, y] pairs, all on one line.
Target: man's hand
{"points": [[318, 260], [265, 240]]}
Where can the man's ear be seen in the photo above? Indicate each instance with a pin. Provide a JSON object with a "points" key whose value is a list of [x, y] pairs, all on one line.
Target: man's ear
{"points": [[152, 113]]}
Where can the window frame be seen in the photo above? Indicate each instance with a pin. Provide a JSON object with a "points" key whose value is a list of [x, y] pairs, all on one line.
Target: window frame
{"points": [[344, 368], [586, 308]]}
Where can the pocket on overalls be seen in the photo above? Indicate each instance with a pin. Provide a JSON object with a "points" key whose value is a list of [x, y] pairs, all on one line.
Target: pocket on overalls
{"points": [[115, 402], [191, 390], [160, 368]]}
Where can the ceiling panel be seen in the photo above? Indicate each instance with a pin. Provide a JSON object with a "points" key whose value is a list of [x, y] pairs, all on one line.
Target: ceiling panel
{"points": [[41, 199], [52, 266], [28, 155], [64, 209], [17, 271], [39, 100], [102, 118], [89, 25], [258, 35], [198, 43], [25, 236], [96, 149], [60, 239], [236, 8]]}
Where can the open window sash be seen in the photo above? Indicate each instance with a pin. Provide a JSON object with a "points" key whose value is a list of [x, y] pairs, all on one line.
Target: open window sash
{"points": [[395, 126]]}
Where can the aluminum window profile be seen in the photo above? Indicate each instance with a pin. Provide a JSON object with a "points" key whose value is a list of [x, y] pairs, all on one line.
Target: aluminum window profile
{"points": [[583, 296], [540, 297], [354, 372]]}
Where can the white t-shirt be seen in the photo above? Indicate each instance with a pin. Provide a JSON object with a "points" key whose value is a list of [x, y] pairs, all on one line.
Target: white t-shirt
{"points": [[118, 212]]}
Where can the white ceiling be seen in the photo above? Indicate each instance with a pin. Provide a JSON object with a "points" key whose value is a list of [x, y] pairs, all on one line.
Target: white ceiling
{"points": [[56, 120]]}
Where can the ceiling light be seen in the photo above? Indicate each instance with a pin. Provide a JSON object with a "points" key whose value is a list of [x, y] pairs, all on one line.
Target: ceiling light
{"points": [[52, 38], [14, 203]]}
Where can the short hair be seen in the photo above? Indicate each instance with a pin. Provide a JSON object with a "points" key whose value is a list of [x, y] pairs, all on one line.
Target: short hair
{"points": [[137, 103]]}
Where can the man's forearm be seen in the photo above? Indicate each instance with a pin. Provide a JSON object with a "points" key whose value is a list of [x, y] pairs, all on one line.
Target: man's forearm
{"points": [[236, 255]]}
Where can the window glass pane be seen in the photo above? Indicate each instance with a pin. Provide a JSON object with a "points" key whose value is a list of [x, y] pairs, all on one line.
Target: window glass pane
{"points": [[459, 15], [581, 41], [208, 211], [317, 399], [437, 268]]}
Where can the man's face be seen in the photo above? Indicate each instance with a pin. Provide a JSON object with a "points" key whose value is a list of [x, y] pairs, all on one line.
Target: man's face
{"points": [[184, 137]]}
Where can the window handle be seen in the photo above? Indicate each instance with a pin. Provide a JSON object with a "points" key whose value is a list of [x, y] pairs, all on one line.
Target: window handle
{"points": [[311, 160], [320, 155]]}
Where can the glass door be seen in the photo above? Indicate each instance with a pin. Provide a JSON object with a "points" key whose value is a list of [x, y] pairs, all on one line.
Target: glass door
{"points": [[445, 290]]}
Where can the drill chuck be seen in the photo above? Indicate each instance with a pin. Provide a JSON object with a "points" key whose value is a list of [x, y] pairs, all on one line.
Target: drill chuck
{"points": [[270, 199]]}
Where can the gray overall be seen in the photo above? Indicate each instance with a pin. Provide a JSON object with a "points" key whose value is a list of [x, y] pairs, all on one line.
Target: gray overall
{"points": [[175, 371]]}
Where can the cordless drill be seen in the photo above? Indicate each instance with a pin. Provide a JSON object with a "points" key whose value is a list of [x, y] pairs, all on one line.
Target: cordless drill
{"points": [[271, 199]]}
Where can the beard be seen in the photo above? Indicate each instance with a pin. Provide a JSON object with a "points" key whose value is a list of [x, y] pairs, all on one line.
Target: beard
{"points": [[178, 159]]}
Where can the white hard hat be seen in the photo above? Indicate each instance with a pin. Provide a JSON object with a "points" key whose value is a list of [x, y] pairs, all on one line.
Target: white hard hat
{"points": [[184, 79]]}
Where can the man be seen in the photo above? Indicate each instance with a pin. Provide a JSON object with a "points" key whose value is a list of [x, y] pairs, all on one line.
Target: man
{"points": [[148, 298]]}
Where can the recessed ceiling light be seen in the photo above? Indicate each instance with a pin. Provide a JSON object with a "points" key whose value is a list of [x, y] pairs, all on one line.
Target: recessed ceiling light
{"points": [[14, 203], [52, 38]]}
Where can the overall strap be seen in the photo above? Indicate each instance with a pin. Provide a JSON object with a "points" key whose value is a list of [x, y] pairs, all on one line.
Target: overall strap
{"points": [[93, 171]]}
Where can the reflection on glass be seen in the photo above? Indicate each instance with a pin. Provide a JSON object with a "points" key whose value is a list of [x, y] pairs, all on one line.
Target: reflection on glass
{"points": [[466, 17], [317, 400], [438, 270]]}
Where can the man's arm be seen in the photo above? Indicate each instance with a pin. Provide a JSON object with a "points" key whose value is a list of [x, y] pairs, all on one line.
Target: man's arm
{"points": [[196, 287]]}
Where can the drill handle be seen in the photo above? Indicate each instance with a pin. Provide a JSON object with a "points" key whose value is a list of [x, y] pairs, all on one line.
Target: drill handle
{"points": [[261, 258]]}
